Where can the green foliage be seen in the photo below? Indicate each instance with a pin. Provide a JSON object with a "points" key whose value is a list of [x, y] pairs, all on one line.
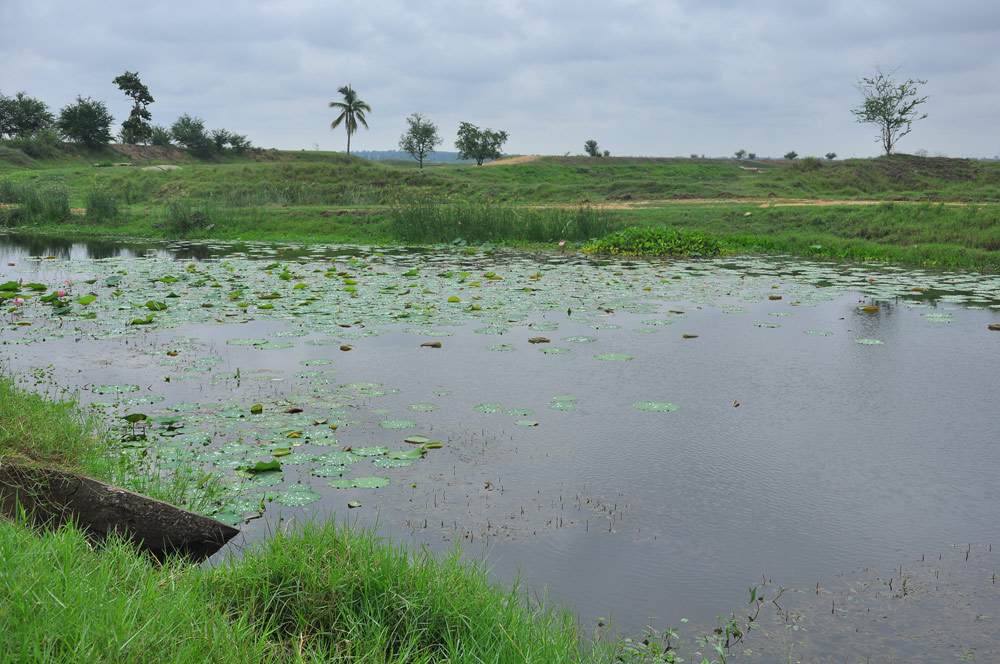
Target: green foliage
{"points": [[741, 153], [889, 105], [352, 111], [183, 217], [160, 136], [137, 128], [830, 156], [591, 149], [43, 144], [808, 164], [479, 144], [101, 206], [220, 137], [32, 204], [189, 132], [87, 122], [420, 138], [655, 241], [792, 154], [22, 116], [485, 222]]}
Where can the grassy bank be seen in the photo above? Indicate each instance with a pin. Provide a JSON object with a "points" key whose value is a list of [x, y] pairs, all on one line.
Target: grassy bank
{"points": [[321, 593], [916, 210]]}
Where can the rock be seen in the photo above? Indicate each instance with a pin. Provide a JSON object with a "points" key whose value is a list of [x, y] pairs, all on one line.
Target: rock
{"points": [[53, 497]]}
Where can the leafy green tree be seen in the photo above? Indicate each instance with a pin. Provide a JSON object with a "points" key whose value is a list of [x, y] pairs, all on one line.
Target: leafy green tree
{"points": [[239, 143], [420, 138], [190, 133], [87, 122], [752, 155], [220, 137], [160, 136], [792, 154], [740, 153], [590, 147], [22, 116], [137, 128], [830, 156], [479, 144], [352, 111], [889, 105]]}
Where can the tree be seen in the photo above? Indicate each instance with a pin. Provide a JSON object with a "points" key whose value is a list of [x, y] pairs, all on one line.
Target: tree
{"points": [[22, 116], [889, 105], [87, 122], [590, 147], [352, 111], [137, 128], [830, 156], [741, 153], [160, 136], [752, 155], [420, 137], [479, 144], [220, 137], [792, 154], [190, 133]]}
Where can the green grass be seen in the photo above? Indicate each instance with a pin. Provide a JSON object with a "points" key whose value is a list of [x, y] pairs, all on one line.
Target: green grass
{"points": [[323, 593], [324, 197]]}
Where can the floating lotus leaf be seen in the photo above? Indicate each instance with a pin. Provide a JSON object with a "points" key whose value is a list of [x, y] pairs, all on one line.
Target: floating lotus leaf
{"points": [[579, 339], [115, 389], [768, 325], [501, 347], [245, 342], [297, 498], [869, 342], [416, 440], [614, 357], [423, 407], [385, 462], [655, 406], [341, 484], [370, 450], [397, 424], [371, 482], [819, 333], [274, 345], [490, 408], [328, 471]]}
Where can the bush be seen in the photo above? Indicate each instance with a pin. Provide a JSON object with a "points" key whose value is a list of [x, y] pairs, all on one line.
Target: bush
{"points": [[655, 241], [190, 133], [87, 122], [101, 205], [183, 217], [44, 144], [32, 204], [160, 136]]}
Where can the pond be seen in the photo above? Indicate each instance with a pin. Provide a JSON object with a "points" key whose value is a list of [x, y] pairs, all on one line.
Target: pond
{"points": [[642, 439]]}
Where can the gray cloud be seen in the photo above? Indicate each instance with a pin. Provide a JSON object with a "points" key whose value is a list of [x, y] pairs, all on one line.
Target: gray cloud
{"points": [[641, 77]]}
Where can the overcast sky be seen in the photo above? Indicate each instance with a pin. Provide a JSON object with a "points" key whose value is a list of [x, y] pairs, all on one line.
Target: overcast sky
{"points": [[641, 77]]}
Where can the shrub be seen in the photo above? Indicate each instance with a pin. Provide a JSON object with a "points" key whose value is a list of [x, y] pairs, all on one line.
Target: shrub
{"points": [[160, 136], [101, 205], [87, 122], [655, 241]]}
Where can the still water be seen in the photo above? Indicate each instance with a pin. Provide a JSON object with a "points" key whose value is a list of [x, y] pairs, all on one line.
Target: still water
{"points": [[828, 418]]}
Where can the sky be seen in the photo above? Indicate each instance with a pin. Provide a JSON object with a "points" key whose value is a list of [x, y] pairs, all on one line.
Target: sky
{"points": [[657, 78]]}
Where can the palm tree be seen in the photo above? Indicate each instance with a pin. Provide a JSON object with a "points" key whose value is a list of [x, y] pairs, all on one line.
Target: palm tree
{"points": [[352, 111]]}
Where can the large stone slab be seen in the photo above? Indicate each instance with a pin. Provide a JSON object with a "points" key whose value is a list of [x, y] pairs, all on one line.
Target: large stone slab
{"points": [[53, 497]]}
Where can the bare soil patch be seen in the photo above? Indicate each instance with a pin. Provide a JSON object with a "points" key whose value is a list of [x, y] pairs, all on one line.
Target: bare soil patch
{"points": [[523, 159]]}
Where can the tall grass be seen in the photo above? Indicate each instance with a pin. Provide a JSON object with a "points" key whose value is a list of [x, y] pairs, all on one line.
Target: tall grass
{"points": [[101, 206], [493, 222], [31, 204]]}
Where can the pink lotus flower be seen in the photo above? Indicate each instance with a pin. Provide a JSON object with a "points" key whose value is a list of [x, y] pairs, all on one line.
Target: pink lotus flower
{"points": [[18, 301], [562, 243], [61, 293]]}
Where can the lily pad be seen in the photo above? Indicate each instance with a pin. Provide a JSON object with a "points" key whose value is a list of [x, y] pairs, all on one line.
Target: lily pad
{"points": [[371, 482], [614, 357], [397, 424], [655, 406], [297, 498], [869, 342]]}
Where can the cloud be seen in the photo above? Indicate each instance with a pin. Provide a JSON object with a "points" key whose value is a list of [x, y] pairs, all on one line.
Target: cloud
{"points": [[642, 77]]}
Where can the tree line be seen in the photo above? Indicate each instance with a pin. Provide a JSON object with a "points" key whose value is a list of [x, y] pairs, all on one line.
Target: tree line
{"points": [[421, 136], [88, 122]]}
